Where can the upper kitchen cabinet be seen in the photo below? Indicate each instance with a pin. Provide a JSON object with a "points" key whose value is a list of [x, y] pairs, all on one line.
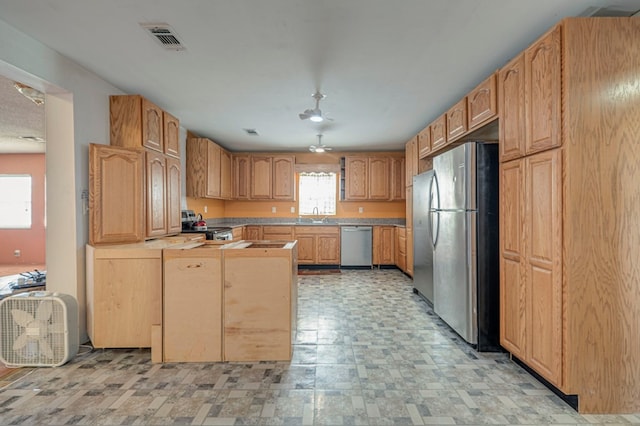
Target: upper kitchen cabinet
{"points": [[511, 101], [138, 123], [397, 178], [116, 195], [482, 103], [424, 142], [411, 160], [156, 177], [457, 120], [357, 178], [283, 177], [370, 178], [208, 169], [439, 133], [379, 178], [261, 177], [241, 176], [568, 211]]}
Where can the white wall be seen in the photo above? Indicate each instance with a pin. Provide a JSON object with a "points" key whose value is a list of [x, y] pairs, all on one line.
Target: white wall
{"points": [[77, 113]]}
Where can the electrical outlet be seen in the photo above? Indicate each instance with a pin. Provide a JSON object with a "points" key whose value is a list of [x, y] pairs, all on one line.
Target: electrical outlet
{"points": [[293, 209], [17, 253], [273, 209], [205, 209], [360, 209]]}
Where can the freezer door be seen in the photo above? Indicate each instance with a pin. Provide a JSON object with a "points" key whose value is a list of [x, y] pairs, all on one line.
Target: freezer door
{"points": [[455, 170], [454, 264], [422, 246]]}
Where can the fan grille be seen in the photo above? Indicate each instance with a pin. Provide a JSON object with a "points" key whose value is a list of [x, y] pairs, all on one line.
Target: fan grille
{"points": [[34, 330]]}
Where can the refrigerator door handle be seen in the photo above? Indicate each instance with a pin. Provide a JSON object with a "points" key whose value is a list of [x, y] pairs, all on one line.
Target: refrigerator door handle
{"points": [[434, 238]]}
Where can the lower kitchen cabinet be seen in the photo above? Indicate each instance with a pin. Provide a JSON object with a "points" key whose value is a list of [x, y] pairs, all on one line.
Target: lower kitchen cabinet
{"points": [[384, 245], [277, 232], [192, 329], [318, 245], [238, 233], [401, 248], [253, 232]]}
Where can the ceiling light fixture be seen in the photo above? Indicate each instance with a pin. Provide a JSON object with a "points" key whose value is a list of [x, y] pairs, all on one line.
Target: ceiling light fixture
{"points": [[319, 147], [315, 114], [36, 96]]}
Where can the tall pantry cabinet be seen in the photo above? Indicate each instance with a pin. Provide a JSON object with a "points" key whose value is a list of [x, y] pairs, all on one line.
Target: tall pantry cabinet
{"points": [[570, 237]]}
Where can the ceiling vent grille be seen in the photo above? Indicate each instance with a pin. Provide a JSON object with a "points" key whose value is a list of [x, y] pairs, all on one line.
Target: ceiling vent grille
{"points": [[165, 35]]}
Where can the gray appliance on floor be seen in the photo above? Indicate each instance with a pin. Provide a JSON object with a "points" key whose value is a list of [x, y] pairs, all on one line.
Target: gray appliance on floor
{"points": [[464, 237], [356, 246], [422, 245]]}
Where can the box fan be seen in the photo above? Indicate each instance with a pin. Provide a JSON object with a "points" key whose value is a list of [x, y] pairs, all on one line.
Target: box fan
{"points": [[38, 329]]}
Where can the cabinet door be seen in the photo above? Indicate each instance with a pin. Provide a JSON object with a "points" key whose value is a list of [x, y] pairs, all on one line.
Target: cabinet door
{"points": [[357, 179], [116, 195], [424, 142], [225, 175], [213, 170], [401, 248], [409, 230], [328, 249], [383, 245], [397, 178], [482, 103], [196, 167], [174, 219], [261, 176], [253, 232], [512, 110], [283, 178], [306, 249], [171, 135], [457, 120], [152, 126], [542, 76], [411, 157], [544, 264], [512, 276], [156, 174], [241, 177], [439, 133], [378, 171]]}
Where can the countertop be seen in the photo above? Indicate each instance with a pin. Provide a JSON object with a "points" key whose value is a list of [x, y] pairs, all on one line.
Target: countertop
{"points": [[304, 222]]}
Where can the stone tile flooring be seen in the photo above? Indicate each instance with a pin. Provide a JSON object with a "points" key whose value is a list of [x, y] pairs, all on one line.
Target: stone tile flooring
{"points": [[368, 352]]}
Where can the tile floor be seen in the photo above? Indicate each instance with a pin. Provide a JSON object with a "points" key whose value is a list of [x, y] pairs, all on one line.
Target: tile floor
{"points": [[368, 352]]}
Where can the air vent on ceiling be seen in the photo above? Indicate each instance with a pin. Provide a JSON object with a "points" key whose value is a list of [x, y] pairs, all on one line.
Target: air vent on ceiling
{"points": [[31, 138], [252, 132], [165, 35], [609, 12]]}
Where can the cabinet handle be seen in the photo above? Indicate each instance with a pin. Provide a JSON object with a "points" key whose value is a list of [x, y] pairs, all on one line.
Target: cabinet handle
{"points": [[511, 71], [197, 265]]}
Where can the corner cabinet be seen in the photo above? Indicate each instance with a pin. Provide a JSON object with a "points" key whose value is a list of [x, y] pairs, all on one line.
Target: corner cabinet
{"points": [[568, 197]]}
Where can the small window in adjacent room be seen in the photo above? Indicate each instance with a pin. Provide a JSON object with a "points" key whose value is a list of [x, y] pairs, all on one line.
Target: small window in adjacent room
{"points": [[317, 193], [15, 201]]}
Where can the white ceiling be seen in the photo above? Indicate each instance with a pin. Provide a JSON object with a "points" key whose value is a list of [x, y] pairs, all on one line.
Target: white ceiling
{"points": [[388, 68]]}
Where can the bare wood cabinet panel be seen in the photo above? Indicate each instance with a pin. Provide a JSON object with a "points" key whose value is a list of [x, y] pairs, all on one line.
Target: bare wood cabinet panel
{"points": [[241, 176], [135, 123], [171, 135], [384, 245], [156, 175], [439, 133], [192, 305], [512, 100], [378, 171], [424, 142], [482, 103], [225, 175], [357, 179], [253, 232], [542, 92], [124, 296], [116, 195], [457, 120], [174, 218], [283, 177], [397, 178], [411, 160], [261, 177], [512, 269]]}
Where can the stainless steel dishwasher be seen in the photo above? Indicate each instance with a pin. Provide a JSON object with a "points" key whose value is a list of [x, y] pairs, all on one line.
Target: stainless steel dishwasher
{"points": [[356, 245]]}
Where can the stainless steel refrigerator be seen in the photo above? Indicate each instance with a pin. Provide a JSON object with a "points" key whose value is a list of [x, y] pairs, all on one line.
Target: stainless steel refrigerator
{"points": [[422, 244], [464, 235]]}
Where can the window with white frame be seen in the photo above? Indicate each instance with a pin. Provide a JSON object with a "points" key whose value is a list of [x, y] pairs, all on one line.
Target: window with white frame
{"points": [[317, 193], [15, 201]]}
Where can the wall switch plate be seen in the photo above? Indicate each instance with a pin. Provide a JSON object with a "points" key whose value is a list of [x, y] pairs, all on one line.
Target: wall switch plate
{"points": [[293, 209], [273, 209], [360, 209]]}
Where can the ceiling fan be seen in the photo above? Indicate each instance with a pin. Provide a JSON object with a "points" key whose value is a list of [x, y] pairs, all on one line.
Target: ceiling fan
{"points": [[315, 114], [319, 147]]}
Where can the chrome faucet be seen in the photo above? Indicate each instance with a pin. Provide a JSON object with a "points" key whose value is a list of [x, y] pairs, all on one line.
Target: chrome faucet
{"points": [[315, 211]]}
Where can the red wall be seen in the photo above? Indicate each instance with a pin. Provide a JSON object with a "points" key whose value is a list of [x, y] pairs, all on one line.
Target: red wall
{"points": [[31, 242]]}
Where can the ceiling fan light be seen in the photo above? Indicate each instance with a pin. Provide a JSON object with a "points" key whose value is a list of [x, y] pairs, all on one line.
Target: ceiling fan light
{"points": [[316, 118], [319, 149]]}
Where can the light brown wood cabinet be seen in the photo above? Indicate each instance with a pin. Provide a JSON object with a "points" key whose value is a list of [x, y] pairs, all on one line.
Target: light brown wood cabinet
{"points": [[116, 195], [271, 177], [357, 178], [174, 218], [384, 245], [482, 103], [411, 160], [208, 170], [379, 178], [424, 142], [277, 232], [318, 245], [511, 101], [261, 177], [457, 120], [156, 176], [241, 176], [409, 231], [192, 305], [171, 135], [253, 232], [370, 178], [397, 178], [238, 233], [283, 177], [401, 248], [569, 294], [439, 133]]}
